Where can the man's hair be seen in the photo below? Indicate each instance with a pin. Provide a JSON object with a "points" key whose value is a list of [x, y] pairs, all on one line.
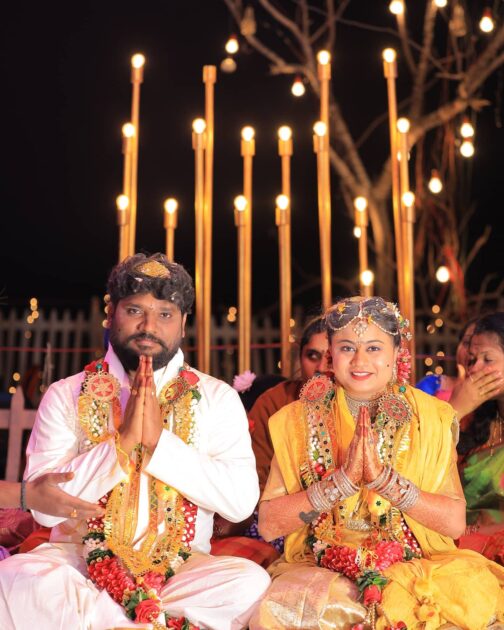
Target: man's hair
{"points": [[152, 274]]}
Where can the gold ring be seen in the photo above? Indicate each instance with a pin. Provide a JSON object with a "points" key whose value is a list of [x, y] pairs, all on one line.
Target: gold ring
{"points": [[73, 513], [134, 392]]}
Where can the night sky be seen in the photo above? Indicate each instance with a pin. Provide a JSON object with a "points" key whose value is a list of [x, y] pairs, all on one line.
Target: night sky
{"points": [[66, 92]]}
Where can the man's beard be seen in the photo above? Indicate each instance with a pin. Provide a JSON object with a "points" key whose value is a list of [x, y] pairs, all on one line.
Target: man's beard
{"points": [[130, 358]]}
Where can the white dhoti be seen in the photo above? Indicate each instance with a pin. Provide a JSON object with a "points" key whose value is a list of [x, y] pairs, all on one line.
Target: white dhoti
{"points": [[47, 589]]}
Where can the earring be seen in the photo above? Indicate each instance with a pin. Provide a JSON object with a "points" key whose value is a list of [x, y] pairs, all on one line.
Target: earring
{"points": [[393, 380]]}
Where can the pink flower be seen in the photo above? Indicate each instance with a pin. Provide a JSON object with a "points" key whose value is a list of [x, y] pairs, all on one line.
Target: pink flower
{"points": [[372, 595], [358, 626], [147, 611], [189, 376], [243, 382], [153, 580]]}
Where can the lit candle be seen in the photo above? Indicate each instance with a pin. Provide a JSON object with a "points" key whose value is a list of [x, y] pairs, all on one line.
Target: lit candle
{"points": [[241, 217], [282, 220], [321, 148], [137, 66], [170, 224]]}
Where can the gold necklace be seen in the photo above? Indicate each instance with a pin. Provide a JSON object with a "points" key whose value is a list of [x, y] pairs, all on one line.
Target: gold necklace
{"points": [[496, 432]]}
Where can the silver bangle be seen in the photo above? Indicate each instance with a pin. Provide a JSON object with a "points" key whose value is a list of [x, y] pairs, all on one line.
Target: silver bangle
{"points": [[381, 479], [409, 494], [317, 498], [22, 500]]}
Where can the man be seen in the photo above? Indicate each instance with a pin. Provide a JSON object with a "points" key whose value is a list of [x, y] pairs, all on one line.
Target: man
{"points": [[164, 447]]}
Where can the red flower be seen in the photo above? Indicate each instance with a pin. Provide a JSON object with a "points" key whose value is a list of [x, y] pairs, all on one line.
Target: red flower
{"points": [[176, 624], [358, 626], [251, 425], [154, 580], [189, 376], [372, 595], [147, 611]]}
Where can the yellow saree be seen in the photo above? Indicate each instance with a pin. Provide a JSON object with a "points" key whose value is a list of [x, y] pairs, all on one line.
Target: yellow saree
{"points": [[445, 586]]}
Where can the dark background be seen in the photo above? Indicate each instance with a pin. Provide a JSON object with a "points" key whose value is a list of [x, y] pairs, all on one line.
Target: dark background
{"points": [[66, 93]]}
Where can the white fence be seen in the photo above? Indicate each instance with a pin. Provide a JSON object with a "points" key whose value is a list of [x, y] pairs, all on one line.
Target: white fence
{"points": [[78, 339]]}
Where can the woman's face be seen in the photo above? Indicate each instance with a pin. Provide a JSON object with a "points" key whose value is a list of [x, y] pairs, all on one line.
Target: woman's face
{"points": [[485, 350], [363, 364], [462, 354], [314, 356]]}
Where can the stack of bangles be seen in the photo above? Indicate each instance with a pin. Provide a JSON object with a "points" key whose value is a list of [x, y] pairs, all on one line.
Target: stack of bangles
{"points": [[323, 495], [401, 492]]}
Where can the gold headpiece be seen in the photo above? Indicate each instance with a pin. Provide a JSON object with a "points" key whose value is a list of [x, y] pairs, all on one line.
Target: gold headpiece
{"points": [[152, 269]]}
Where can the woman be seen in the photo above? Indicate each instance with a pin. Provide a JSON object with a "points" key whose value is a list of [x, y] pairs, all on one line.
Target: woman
{"points": [[364, 485], [481, 446], [313, 357]]}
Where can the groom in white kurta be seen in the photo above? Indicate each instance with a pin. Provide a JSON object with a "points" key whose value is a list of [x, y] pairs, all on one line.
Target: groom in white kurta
{"points": [[49, 587]]}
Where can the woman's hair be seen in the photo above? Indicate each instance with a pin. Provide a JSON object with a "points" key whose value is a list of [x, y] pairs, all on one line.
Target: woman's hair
{"points": [[466, 327], [315, 326], [478, 431], [374, 310]]}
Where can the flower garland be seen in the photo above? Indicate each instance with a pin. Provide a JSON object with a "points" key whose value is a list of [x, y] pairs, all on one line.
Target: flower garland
{"points": [[388, 540], [135, 579]]}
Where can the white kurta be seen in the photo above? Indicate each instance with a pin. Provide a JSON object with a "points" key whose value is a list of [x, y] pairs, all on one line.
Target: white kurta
{"points": [[218, 474]]}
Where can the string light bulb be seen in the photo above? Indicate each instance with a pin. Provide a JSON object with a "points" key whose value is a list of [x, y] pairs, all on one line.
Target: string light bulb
{"points": [[403, 125], [435, 184], [232, 46], [467, 148], [466, 129], [298, 88], [487, 23], [442, 274], [228, 65], [441, 4], [396, 7]]}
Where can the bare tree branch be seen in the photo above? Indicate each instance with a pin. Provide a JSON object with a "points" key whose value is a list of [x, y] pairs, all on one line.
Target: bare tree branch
{"points": [[480, 242], [405, 43], [423, 64]]}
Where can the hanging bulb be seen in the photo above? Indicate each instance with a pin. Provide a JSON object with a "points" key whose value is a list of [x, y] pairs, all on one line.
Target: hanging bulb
{"points": [[232, 46], [435, 184], [367, 277], [228, 65], [396, 7], [466, 129], [442, 274], [248, 24], [457, 24], [441, 4], [487, 23], [298, 88], [467, 148]]}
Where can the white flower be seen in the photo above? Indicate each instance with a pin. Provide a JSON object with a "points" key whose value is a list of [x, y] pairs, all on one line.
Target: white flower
{"points": [[243, 382]]}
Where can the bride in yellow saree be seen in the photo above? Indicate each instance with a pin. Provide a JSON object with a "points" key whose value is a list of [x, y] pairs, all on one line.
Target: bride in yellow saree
{"points": [[365, 488]]}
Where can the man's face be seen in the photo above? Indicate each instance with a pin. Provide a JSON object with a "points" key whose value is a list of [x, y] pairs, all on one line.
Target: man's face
{"points": [[142, 324]]}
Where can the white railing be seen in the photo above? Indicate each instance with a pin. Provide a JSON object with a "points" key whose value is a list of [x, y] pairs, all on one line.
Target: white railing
{"points": [[16, 419]]}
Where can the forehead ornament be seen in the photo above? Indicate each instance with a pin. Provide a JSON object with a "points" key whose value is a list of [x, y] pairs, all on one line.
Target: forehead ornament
{"points": [[152, 269]]}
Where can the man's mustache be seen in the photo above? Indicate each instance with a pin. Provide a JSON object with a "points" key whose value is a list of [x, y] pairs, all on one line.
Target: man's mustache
{"points": [[147, 337]]}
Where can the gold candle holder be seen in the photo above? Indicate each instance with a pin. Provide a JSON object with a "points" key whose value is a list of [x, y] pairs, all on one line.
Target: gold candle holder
{"points": [[170, 225], [390, 73], [198, 138], [122, 205], [361, 222], [245, 318], [137, 66], [209, 79], [128, 133], [241, 217], [282, 220], [321, 148]]}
